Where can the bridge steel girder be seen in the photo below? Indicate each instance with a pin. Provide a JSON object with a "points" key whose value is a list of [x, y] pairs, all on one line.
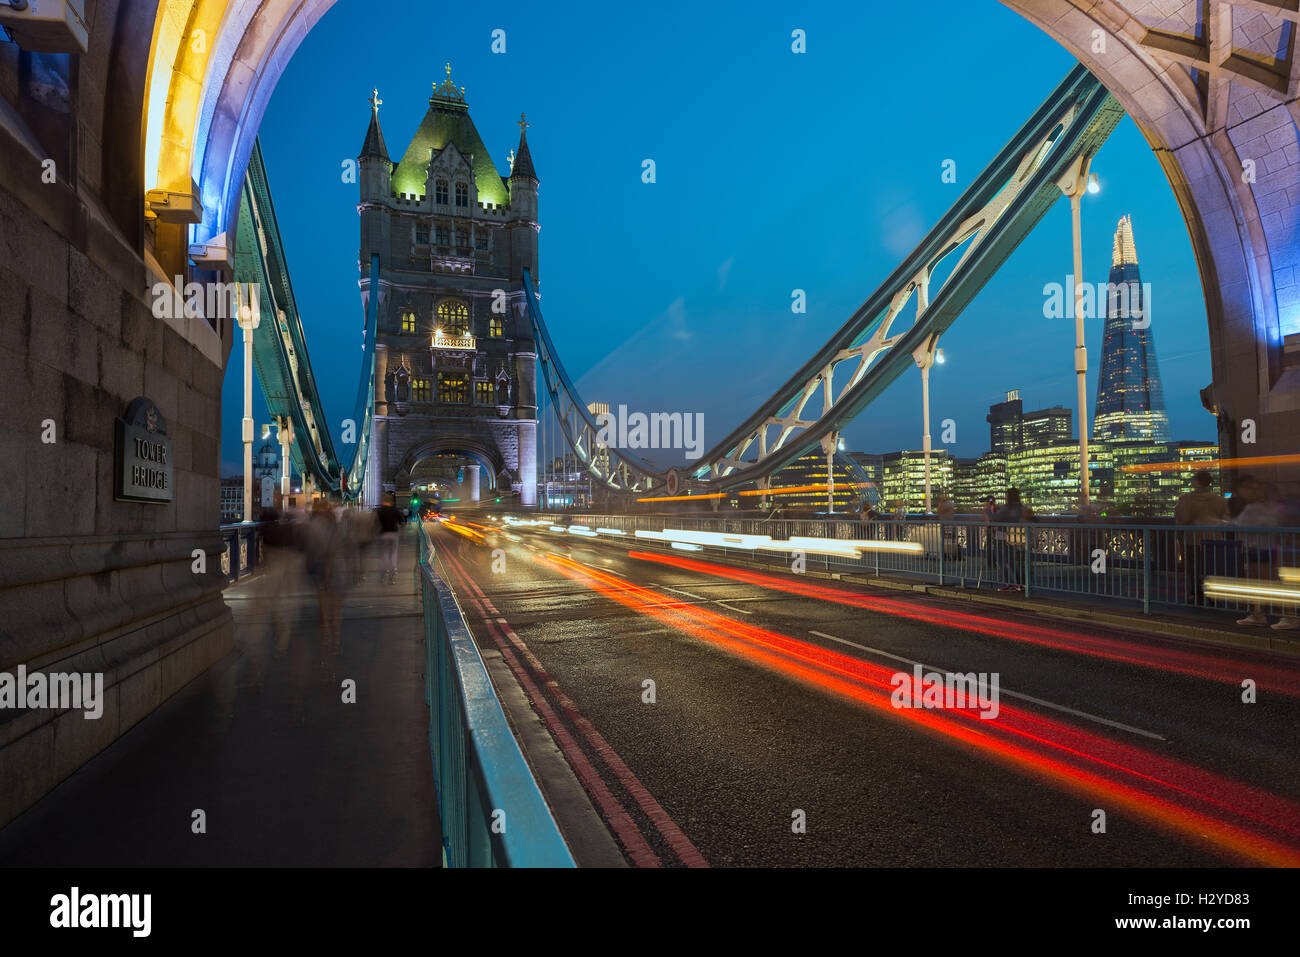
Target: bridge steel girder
{"points": [[284, 370], [990, 218]]}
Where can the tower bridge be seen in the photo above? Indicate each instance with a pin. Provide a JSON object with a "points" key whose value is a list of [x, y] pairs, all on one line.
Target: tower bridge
{"points": [[160, 180]]}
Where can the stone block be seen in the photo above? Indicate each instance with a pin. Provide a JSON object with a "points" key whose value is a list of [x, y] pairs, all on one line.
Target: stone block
{"points": [[26, 771], [77, 738]]}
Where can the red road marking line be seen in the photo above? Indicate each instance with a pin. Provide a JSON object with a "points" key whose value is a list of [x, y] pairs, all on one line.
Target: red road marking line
{"points": [[672, 835], [637, 847]]}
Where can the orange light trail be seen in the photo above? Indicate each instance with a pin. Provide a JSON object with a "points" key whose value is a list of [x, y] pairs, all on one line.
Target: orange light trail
{"points": [[1212, 464], [1196, 664], [769, 492], [465, 531], [1263, 828], [684, 498]]}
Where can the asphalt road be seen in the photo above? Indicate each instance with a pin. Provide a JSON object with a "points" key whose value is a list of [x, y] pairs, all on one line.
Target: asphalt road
{"points": [[772, 706]]}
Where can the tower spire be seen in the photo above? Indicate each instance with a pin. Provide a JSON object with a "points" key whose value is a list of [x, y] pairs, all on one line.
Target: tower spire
{"points": [[374, 144], [523, 162], [1124, 251]]}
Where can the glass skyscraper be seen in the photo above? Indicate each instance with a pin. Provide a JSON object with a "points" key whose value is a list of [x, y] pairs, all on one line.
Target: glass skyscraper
{"points": [[1130, 403]]}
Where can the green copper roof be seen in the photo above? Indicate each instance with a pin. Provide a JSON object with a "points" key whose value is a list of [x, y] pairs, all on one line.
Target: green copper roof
{"points": [[448, 122]]}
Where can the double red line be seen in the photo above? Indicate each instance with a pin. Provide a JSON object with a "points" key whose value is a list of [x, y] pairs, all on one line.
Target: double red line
{"points": [[534, 679]]}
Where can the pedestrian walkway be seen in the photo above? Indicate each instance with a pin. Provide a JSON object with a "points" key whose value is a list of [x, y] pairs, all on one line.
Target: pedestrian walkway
{"points": [[285, 772]]}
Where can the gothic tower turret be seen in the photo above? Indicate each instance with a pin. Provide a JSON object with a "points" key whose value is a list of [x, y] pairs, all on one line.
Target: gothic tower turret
{"points": [[523, 226], [375, 170], [454, 354]]}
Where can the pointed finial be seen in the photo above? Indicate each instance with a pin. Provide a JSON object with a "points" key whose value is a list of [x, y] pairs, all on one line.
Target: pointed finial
{"points": [[447, 67], [510, 157], [523, 125], [375, 101]]}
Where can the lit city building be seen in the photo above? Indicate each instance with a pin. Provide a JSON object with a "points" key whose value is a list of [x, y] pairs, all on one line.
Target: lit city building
{"points": [[1048, 475], [1154, 492], [809, 470], [232, 499], [904, 478], [976, 480], [1012, 429], [1130, 401]]}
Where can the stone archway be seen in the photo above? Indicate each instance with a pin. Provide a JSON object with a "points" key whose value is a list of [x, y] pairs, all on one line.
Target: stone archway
{"points": [[1207, 98], [493, 466], [1215, 97]]}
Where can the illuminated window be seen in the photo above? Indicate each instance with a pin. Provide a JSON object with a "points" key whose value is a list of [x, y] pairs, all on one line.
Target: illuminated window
{"points": [[484, 393], [496, 327], [408, 321], [420, 391], [462, 194], [440, 192], [453, 317], [421, 235], [453, 388]]}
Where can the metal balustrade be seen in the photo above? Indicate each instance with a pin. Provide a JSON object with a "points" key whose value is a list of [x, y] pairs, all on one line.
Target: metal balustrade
{"points": [[1224, 567], [241, 551], [492, 811]]}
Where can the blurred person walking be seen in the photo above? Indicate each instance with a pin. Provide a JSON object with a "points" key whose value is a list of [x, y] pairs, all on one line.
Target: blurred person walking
{"points": [[275, 588], [1261, 510], [1200, 506], [324, 546], [1010, 540], [388, 519]]}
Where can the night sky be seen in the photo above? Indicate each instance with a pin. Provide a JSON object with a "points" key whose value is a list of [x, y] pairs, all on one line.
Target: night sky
{"points": [[775, 171]]}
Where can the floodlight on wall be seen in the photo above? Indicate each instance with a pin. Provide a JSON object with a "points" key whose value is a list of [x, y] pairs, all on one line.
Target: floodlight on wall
{"points": [[46, 26], [171, 206]]}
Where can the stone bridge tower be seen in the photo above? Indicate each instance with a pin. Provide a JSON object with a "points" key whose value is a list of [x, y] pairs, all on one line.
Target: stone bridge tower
{"points": [[455, 362]]}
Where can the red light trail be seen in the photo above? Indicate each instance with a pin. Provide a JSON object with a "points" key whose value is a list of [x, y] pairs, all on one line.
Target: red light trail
{"points": [[1233, 817], [1184, 661]]}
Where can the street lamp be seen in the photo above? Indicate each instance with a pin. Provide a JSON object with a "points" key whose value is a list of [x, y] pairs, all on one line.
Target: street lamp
{"points": [[1076, 181], [926, 355], [249, 317], [828, 446]]}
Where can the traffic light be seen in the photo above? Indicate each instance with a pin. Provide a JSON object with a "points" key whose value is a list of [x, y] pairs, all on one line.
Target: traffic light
{"points": [[415, 501]]}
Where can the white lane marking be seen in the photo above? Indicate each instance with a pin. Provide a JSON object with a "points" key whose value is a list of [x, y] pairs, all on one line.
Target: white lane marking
{"points": [[715, 601], [1009, 694]]}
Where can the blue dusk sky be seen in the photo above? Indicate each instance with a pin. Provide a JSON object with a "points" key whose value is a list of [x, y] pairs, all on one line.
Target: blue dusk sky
{"points": [[775, 171]]}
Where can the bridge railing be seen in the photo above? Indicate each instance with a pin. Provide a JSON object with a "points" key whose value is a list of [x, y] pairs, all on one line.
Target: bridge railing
{"points": [[241, 552], [492, 811], [1227, 567]]}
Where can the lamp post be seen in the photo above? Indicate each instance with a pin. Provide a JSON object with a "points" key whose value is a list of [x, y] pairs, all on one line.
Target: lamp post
{"points": [[284, 432], [1077, 181], [249, 313], [829, 444], [925, 356]]}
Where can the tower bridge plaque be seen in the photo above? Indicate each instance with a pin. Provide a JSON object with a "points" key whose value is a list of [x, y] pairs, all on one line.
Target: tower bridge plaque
{"points": [[144, 455]]}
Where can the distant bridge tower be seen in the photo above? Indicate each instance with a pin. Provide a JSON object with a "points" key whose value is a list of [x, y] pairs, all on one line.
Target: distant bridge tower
{"points": [[455, 362]]}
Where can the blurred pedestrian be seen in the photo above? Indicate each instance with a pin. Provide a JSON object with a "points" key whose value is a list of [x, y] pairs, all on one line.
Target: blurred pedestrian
{"points": [[275, 585], [1262, 510], [324, 548], [990, 506], [388, 519], [1199, 507], [1010, 539]]}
